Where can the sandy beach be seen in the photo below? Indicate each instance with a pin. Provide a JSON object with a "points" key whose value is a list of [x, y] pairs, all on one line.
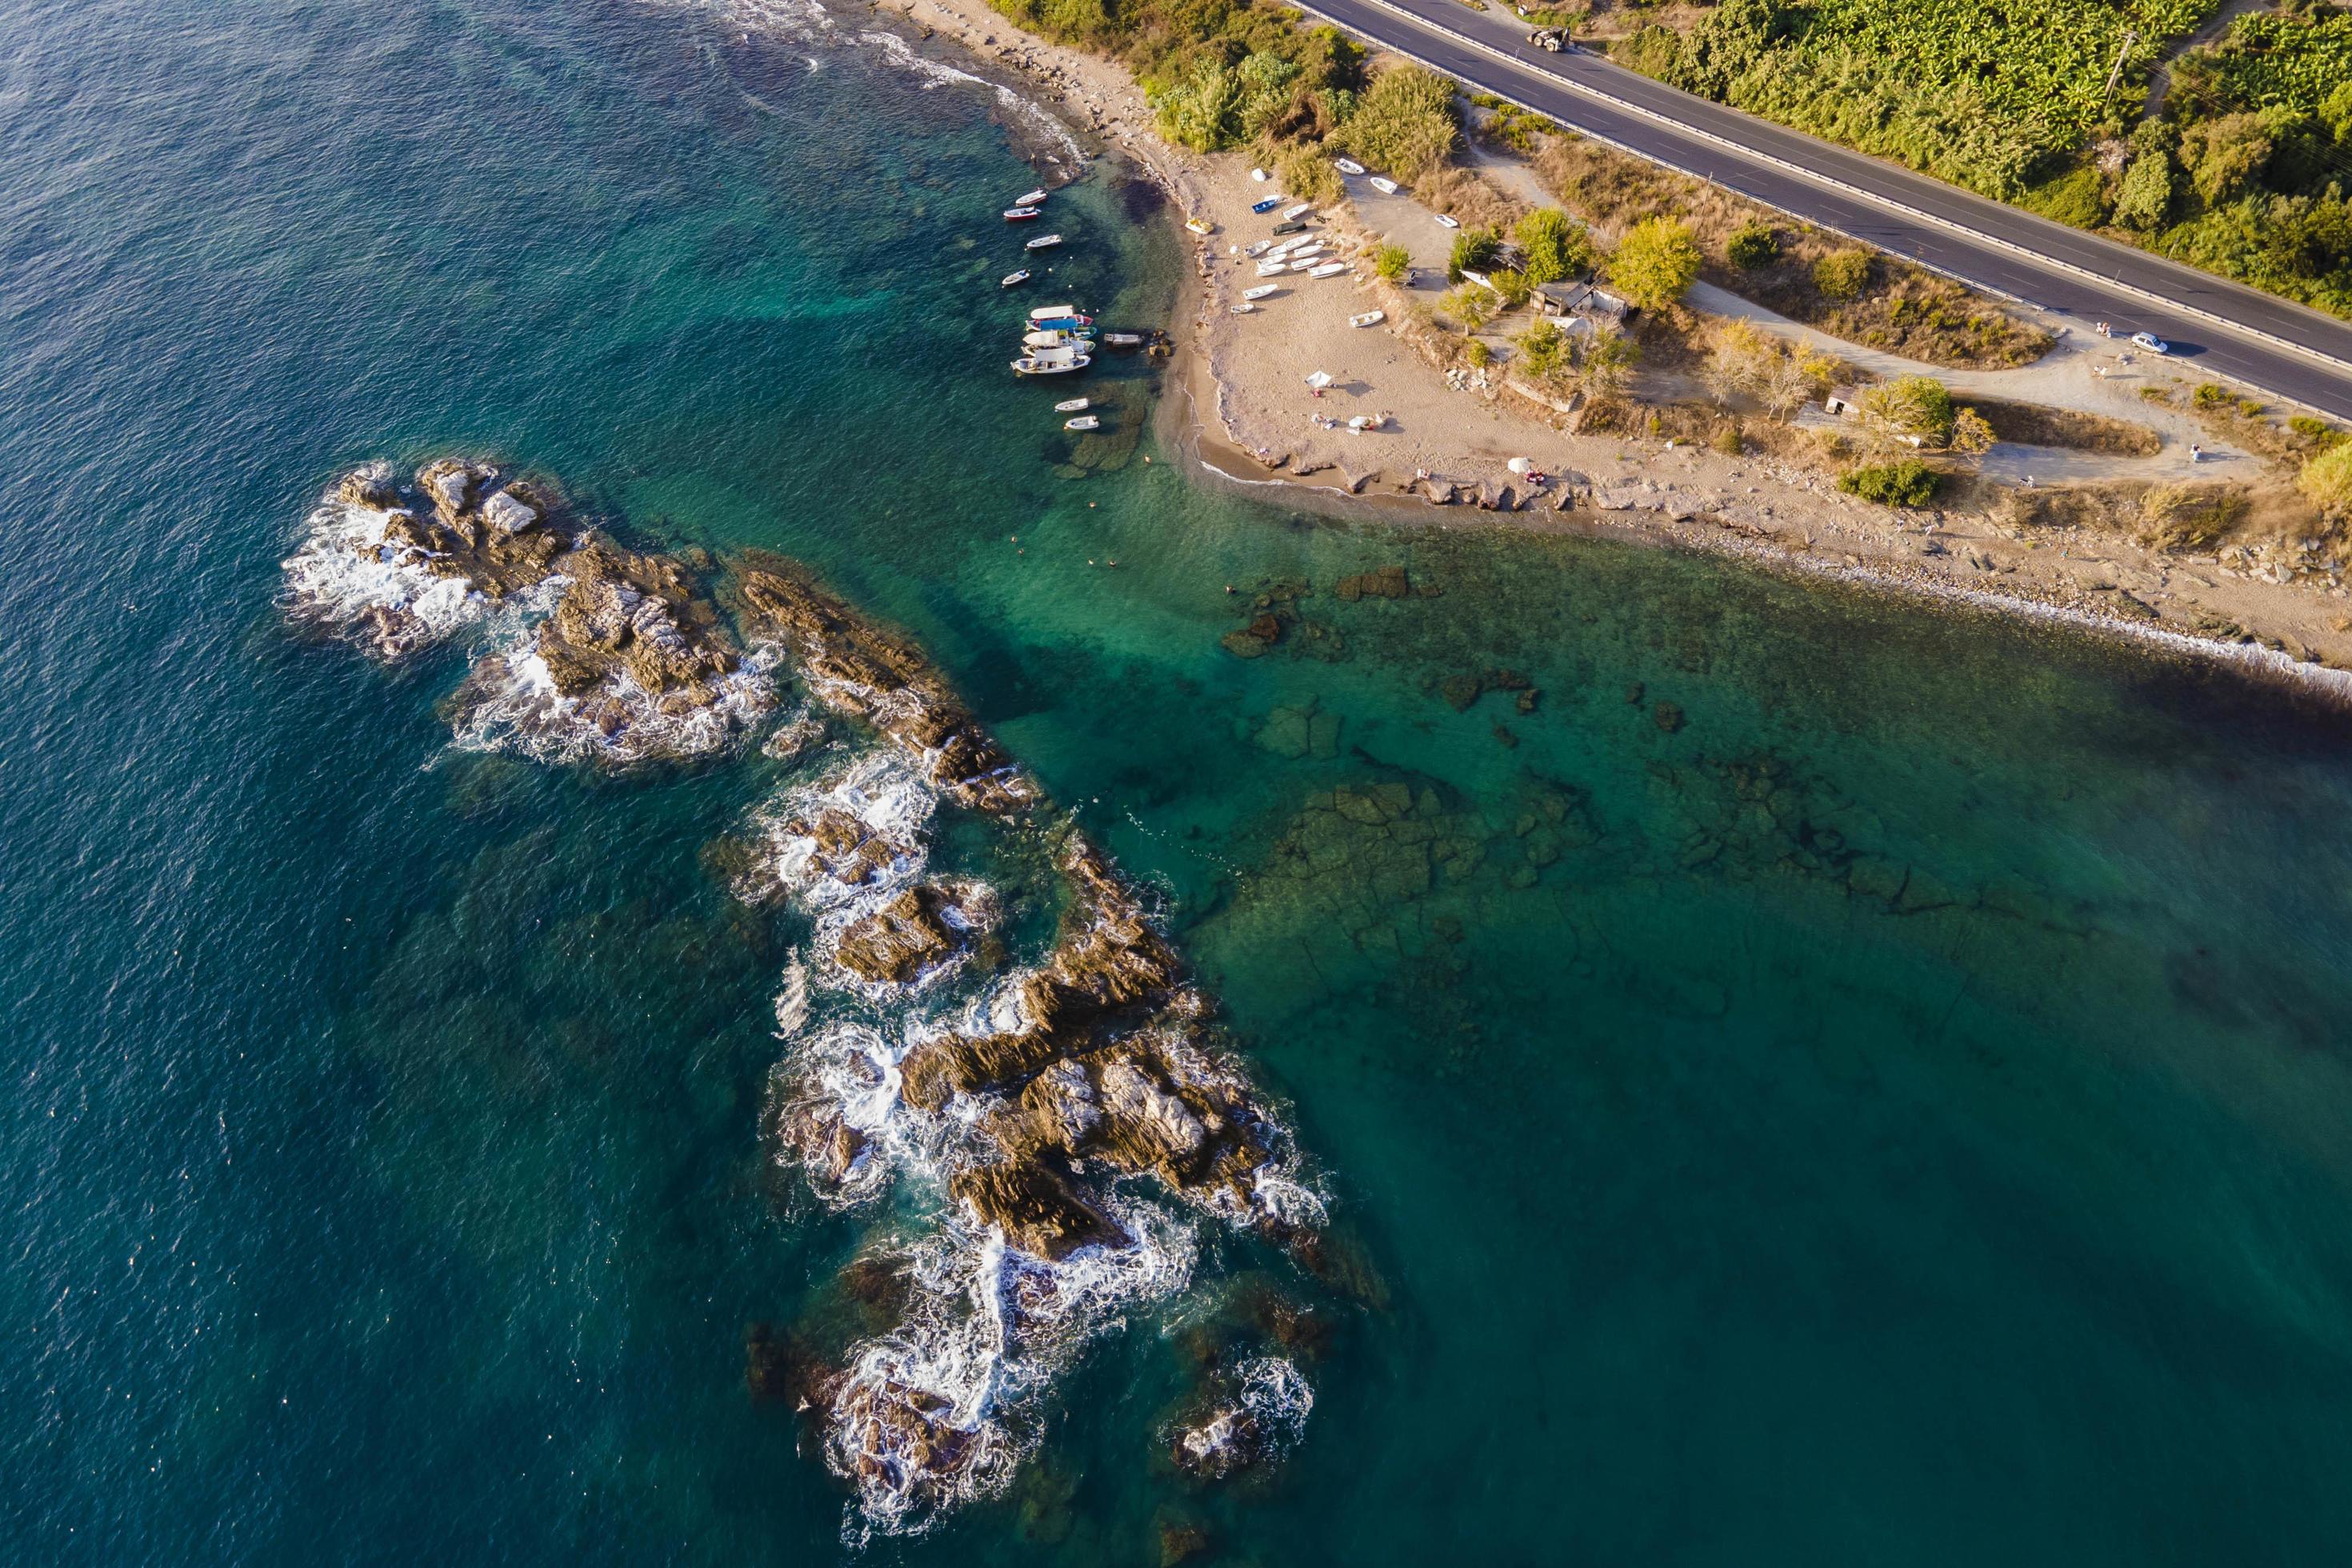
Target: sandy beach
{"points": [[1245, 413]]}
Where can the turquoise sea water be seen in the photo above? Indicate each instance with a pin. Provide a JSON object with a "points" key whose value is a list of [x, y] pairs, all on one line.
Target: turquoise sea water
{"points": [[1899, 1114]]}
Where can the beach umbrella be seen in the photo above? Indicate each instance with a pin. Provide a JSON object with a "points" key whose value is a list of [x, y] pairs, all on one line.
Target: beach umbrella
{"points": [[1319, 380]]}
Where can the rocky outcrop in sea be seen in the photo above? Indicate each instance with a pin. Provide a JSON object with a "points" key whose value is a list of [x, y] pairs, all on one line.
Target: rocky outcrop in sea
{"points": [[1059, 1125]]}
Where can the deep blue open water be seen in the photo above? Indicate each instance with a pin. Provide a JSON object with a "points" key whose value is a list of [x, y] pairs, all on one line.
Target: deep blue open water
{"points": [[1902, 1113]]}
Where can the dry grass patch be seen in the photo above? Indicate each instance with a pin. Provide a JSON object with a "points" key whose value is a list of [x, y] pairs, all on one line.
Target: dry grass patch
{"points": [[2030, 425]]}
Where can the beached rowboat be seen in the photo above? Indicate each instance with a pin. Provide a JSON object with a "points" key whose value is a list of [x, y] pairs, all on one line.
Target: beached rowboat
{"points": [[1368, 319], [1199, 225], [1444, 222], [1268, 269], [1385, 186], [1268, 205], [1301, 210], [1043, 242], [1243, 309], [1328, 269], [1347, 165], [1261, 291]]}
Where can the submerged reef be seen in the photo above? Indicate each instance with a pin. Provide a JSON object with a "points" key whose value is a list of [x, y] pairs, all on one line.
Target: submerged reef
{"points": [[1058, 1124]]}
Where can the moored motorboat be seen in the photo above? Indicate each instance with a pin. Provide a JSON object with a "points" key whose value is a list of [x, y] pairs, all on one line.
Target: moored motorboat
{"points": [[1123, 339], [1043, 242], [1051, 362], [1042, 312], [1060, 324], [1261, 291], [1052, 340], [1368, 319], [1020, 214], [1012, 277], [1301, 210], [1347, 165], [1033, 199], [1083, 422], [1387, 187], [1071, 405]]}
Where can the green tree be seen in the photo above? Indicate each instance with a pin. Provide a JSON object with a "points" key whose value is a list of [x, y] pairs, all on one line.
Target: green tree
{"points": [[1753, 245], [1512, 285], [2146, 193], [1843, 274], [1392, 262], [1552, 246], [1469, 304], [1656, 261], [2327, 477], [1917, 405], [2224, 153], [1543, 350]]}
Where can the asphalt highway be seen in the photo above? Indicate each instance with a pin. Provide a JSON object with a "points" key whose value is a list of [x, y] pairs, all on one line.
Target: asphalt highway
{"points": [[2211, 324]]}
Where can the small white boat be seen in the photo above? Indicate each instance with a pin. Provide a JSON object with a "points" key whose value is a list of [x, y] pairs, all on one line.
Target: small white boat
{"points": [[1012, 277], [1347, 165], [1442, 221], [1368, 319], [1260, 248], [1387, 187], [1304, 251], [1306, 266], [1243, 309], [1292, 215], [1043, 311], [1199, 225], [1261, 291], [1071, 405], [1328, 269], [1124, 339], [1033, 199], [1051, 362], [1055, 340], [1020, 214], [1268, 269], [1047, 242], [1083, 422]]}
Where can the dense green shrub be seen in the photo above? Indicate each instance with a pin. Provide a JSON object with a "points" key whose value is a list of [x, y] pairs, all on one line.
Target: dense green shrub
{"points": [[2327, 477], [1392, 262], [1843, 274], [1552, 246], [1753, 245], [1309, 176], [1543, 349], [1907, 483], [1655, 262], [1404, 122], [1474, 250]]}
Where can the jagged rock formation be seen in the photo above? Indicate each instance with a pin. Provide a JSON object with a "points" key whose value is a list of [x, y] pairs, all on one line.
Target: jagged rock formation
{"points": [[867, 671], [913, 934]]}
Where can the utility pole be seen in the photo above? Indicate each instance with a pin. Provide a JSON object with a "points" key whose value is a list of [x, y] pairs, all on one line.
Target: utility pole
{"points": [[2115, 75]]}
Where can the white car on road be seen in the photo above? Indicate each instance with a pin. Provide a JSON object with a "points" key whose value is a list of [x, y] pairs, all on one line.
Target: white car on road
{"points": [[2152, 343]]}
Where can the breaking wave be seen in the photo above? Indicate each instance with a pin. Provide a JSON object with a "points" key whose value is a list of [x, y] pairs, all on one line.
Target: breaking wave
{"points": [[344, 578], [940, 1411], [510, 703]]}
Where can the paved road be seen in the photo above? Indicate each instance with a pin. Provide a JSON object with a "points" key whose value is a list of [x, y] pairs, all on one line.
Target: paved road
{"points": [[1983, 242]]}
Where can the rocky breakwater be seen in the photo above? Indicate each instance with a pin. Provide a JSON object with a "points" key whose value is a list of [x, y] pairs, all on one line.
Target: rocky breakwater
{"points": [[595, 650], [1081, 1113]]}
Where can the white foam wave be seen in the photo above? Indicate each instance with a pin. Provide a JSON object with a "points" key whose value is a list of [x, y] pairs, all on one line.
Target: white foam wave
{"points": [[940, 1411], [345, 577], [510, 703], [890, 802]]}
